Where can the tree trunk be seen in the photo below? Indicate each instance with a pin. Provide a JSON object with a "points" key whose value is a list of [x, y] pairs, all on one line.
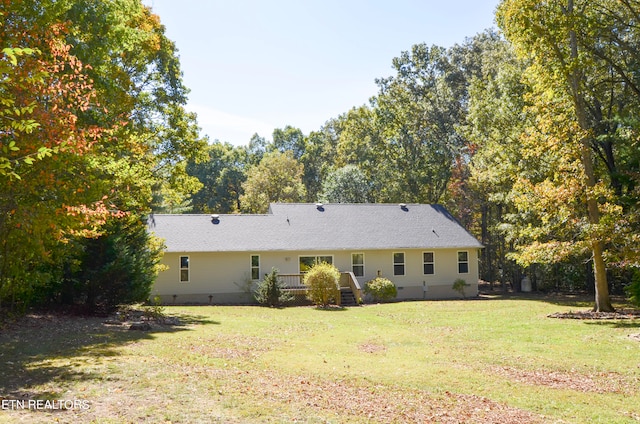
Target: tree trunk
{"points": [[603, 304]]}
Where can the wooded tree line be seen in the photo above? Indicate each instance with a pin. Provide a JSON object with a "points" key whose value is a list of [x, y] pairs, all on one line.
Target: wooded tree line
{"points": [[528, 135]]}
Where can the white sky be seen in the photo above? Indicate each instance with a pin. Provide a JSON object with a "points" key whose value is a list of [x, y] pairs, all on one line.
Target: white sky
{"points": [[256, 65]]}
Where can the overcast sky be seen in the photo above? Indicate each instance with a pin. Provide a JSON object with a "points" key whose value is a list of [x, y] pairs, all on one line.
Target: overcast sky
{"points": [[253, 66]]}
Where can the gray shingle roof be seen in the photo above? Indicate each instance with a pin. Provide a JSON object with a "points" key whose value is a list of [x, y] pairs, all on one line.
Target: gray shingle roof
{"points": [[305, 227]]}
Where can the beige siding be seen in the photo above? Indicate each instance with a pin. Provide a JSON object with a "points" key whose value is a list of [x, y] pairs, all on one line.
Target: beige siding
{"points": [[226, 277], [415, 284]]}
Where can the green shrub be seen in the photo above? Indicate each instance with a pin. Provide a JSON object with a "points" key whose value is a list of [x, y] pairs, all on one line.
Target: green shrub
{"points": [[154, 310], [459, 286], [381, 289], [270, 291], [633, 289], [323, 282]]}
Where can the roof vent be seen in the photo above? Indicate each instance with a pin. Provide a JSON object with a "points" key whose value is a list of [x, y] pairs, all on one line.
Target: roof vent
{"points": [[215, 218], [320, 207], [403, 206]]}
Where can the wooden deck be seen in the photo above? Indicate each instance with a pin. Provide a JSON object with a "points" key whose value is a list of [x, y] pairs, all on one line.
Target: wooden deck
{"points": [[349, 287]]}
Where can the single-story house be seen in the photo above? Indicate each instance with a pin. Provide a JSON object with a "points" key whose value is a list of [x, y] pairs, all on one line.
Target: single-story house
{"points": [[220, 258]]}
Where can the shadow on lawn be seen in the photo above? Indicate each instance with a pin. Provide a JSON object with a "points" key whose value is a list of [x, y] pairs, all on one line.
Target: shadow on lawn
{"points": [[331, 308], [60, 350], [582, 300], [632, 323]]}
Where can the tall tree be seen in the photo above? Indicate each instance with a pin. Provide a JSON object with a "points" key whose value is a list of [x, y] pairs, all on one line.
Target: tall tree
{"points": [[574, 56], [417, 111], [256, 149], [45, 149], [137, 74], [101, 102], [358, 139], [221, 177], [495, 121], [289, 139], [277, 178], [346, 185], [318, 158]]}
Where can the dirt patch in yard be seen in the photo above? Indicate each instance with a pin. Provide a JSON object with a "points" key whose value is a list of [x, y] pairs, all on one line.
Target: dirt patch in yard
{"points": [[628, 315], [618, 314], [372, 347], [594, 383]]}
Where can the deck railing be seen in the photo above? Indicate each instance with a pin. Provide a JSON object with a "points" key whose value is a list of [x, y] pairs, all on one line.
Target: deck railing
{"points": [[294, 283]]}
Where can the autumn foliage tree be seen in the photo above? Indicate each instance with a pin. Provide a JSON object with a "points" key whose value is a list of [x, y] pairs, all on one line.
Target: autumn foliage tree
{"points": [[92, 124], [44, 148], [582, 59]]}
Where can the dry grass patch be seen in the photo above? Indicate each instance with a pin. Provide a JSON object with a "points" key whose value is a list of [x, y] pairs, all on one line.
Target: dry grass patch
{"points": [[372, 347], [350, 401], [238, 347]]}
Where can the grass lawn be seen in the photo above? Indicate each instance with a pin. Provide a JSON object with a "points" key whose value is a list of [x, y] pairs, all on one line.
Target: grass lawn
{"points": [[499, 360]]}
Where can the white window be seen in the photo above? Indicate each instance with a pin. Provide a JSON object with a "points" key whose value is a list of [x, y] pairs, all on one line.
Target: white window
{"points": [[398, 263], [255, 267], [463, 262], [307, 262], [357, 264], [428, 263], [184, 269]]}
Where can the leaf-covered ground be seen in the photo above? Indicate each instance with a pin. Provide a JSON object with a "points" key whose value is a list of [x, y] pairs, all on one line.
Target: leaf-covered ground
{"points": [[218, 364]]}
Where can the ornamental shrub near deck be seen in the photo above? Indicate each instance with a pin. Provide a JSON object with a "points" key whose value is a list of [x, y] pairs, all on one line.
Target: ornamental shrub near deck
{"points": [[270, 291], [381, 289], [323, 282]]}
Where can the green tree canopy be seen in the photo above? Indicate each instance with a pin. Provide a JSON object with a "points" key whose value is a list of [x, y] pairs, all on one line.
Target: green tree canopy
{"points": [[277, 178], [221, 177], [346, 185]]}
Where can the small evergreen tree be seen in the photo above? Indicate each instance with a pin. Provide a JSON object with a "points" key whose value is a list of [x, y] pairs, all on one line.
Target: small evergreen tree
{"points": [[270, 291], [323, 282], [118, 267]]}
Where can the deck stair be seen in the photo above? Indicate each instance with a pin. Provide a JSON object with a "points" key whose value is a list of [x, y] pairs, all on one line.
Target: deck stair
{"points": [[347, 298]]}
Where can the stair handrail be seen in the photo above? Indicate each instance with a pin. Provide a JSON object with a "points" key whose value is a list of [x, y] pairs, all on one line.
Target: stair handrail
{"points": [[353, 284]]}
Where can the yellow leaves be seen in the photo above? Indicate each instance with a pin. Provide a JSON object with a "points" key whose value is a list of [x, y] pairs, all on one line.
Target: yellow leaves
{"points": [[548, 252], [11, 147], [12, 53]]}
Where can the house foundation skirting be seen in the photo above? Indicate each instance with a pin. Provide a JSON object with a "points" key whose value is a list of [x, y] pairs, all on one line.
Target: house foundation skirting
{"points": [[434, 292], [239, 298], [406, 292]]}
